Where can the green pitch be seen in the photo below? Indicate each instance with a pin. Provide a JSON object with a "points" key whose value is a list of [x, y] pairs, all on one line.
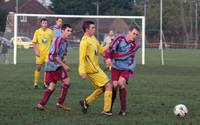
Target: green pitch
{"points": [[152, 93]]}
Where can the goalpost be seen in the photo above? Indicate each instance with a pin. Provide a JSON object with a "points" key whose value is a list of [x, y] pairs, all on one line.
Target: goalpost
{"points": [[142, 18]]}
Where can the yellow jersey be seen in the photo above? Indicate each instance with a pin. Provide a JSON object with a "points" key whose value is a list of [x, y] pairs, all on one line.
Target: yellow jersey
{"points": [[43, 38], [88, 55]]}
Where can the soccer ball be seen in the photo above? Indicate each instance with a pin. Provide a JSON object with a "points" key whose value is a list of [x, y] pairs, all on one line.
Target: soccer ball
{"points": [[180, 110]]}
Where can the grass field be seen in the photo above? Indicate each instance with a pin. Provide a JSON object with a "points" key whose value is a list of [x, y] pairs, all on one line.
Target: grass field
{"points": [[152, 93]]}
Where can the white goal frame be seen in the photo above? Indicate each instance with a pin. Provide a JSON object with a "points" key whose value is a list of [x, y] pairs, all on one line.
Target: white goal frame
{"points": [[78, 16]]}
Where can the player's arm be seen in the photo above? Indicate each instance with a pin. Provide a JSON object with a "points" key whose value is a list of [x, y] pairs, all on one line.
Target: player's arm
{"points": [[53, 54], [102, 49], [109, 50], [65, 66], [35, 44], [36, 51], [108, 60], [82, 55]]}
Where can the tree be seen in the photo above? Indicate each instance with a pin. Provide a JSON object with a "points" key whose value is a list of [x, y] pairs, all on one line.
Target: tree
{"points": [[3, 17], [106, 7], [73, 7], [177, 20]]}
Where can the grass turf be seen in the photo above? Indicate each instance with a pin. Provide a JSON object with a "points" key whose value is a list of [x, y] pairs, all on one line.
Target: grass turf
{"points": [[152, 93]]}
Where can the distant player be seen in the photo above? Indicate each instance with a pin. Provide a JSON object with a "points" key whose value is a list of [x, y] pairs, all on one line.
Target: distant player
{"points": [[108, 38], [41, 44], [4, 50], [57, 27], [89, 68], [56, 69], [121, 56]]}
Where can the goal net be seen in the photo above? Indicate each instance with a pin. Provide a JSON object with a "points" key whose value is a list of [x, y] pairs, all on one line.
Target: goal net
{"points": [[26, 24]]}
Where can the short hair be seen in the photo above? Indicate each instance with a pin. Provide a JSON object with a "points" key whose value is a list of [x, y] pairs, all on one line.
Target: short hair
{"points": [[64, 26], [86, 25], [58, 18], [131, 28], [43, 19]]}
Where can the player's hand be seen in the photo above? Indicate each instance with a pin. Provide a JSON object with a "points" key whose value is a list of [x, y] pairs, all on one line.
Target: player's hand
{"points": [[83, 76], [66, 68], [108, 62]]}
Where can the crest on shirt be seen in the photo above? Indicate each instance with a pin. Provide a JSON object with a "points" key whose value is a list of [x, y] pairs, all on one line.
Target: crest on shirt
{"points": [[44, 40]]}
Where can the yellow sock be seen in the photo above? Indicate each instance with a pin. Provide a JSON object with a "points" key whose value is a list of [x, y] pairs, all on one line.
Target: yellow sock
{"points": [[107, 100], [92, 97], [36, 77]]}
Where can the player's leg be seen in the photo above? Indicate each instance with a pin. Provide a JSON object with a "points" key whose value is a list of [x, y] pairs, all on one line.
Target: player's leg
{"points": [[107, 99], [6, 58], [122, 93], [63, 90], [123, 79], [114, 92], [61, 74], [45, 85], [63, 94], [98, 80], [46, 96], [93, 97], [101, 80], [44, 60], [39, 62], [115, 78], [37, 74]]}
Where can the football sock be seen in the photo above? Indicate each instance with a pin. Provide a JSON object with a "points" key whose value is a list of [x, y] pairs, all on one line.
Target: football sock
{"points": [[107, 100], [63, 93], [45, 97], [36, 77], [114, 94], [123, 99], [92, 97]]}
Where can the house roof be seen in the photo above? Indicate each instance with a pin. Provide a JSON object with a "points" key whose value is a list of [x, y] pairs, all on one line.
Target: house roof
{"points": [[24, 6], [119, 25]]}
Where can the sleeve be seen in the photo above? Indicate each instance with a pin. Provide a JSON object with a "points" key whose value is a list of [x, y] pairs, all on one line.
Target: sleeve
{"points": [[102, 49], [53, 52], [35, 37], [82, 55]]}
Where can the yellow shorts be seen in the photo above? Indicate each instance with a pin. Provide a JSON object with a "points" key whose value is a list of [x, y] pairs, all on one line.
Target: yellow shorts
{"points": [[98, 79], [42, 59]]}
